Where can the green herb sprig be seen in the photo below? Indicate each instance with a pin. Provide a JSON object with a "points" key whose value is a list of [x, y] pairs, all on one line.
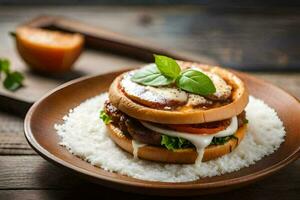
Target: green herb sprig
{"points": [[13, 79], [166, 71]]}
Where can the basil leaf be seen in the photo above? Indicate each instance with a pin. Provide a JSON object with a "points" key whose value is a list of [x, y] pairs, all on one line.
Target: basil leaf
{"points": [[167, 66], [196, 82], [13, 81], [150, 75]]}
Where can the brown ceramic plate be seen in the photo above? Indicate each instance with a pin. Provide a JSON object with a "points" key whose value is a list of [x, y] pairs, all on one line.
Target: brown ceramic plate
{"points": [[49, 110]]}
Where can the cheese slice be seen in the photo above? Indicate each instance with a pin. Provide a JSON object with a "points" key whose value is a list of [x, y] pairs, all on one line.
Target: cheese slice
{"points": [[200, 141], [154, 95], [167, 97]]}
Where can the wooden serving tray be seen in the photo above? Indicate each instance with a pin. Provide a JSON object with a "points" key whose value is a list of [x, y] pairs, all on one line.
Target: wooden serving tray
{"points": [[105, 51]]}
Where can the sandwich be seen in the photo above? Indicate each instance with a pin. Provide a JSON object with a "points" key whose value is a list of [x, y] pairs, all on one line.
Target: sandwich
{"points": [[176, 111]]}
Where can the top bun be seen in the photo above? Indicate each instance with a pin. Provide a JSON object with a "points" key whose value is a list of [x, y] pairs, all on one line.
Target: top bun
{"points": [[239, 101]]}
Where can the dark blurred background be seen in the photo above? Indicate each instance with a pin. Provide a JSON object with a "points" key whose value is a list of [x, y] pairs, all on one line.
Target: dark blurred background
{"points": [[247, 35]]}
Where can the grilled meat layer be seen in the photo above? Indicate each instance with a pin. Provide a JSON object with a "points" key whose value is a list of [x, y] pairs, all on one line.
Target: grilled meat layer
{"points": [[134, 129]]}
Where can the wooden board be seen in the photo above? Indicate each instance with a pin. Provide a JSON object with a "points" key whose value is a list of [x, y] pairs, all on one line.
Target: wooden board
{"points": [[123, 51]]}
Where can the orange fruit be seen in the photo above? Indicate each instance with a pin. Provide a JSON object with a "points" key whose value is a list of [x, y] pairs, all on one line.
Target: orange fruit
{"points": [[47, 50]]}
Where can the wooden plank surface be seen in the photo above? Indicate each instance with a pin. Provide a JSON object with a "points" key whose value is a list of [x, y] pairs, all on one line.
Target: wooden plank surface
{"points": [[25, 175], [237, 38], [32, 173]]}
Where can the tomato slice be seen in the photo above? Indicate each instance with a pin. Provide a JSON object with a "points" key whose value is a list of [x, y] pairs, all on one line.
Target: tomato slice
{"points": [[208, 128], [190, 129]]}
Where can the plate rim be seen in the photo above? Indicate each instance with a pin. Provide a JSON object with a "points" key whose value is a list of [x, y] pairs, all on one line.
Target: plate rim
{"points": [[144, 183]]}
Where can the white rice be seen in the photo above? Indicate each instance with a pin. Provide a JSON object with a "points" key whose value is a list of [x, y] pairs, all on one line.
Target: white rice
{"points": [[85, 135]]}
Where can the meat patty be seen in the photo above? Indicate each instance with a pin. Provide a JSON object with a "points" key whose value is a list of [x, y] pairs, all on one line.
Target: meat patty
{"points": [[142, 134], [118, 118], [134, 129]]}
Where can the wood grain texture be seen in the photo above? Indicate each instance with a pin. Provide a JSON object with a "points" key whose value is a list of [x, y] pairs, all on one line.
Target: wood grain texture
{"points": [[240, 38], [34, 177], [99, 38], [14, 144]]}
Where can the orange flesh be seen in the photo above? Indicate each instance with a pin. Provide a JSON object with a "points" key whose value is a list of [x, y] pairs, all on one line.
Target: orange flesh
{"points": [[48, 51]]}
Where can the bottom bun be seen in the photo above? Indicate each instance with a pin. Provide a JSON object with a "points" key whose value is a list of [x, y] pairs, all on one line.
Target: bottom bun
{"points": [[180, 156]]}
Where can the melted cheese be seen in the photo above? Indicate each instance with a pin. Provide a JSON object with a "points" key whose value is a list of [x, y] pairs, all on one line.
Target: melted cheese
{"points": [[160, 95], [149, 95], [136, 145], [195, 100], [200, 141], [223, 91]]}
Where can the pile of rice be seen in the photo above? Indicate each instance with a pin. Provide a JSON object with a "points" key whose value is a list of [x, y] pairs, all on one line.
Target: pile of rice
{"points": [[85, 135]]}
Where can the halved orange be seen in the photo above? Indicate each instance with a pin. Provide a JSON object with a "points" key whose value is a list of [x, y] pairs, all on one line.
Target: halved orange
{"points": [[48, 51]]}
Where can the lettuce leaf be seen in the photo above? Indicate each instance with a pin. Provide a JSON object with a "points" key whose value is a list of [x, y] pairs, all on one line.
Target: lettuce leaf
{"points": [[173, 143], [222, 140], [105, 117]]}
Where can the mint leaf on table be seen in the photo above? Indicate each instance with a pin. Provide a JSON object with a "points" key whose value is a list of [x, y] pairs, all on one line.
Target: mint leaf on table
{"points": [[195, 82], [150, 75], [13, 80], [167, 66]]}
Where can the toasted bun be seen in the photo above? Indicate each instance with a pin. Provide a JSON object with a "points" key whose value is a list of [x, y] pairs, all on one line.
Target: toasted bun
{"points": [[182, 156], [186, 116]]}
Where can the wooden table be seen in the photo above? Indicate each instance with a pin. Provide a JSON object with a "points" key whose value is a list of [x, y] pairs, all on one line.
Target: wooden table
{"points": [[25, 175]]}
